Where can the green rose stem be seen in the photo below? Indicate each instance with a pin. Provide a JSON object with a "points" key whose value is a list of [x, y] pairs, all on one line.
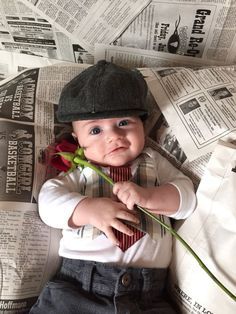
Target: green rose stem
{"points": [[78, 159]]}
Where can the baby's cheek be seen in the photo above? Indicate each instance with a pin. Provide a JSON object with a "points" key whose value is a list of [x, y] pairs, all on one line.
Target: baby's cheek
{"points": [[88, 155]]}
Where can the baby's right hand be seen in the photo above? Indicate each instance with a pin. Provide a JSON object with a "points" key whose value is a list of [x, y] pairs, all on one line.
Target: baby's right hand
{"points": [[104, 214]]}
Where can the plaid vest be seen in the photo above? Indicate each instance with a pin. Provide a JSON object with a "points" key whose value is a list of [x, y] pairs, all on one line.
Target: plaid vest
{"points": [[94, 186]]}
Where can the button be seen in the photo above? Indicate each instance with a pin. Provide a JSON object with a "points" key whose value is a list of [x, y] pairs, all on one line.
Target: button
{"points": [[126, 280]]}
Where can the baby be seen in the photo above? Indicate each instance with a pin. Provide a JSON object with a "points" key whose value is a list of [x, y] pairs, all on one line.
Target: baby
{"points": [[114, 258]]}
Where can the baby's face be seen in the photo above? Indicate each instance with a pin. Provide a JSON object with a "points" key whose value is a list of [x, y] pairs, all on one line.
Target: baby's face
{"points": [[110, 142]]}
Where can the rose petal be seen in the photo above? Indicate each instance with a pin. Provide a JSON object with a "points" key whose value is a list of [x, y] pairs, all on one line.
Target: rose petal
{"points": [[57, 161], [60, 163], [66, 146]]}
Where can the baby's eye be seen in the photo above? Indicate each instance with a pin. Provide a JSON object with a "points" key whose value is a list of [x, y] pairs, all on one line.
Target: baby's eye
{"points": [[95, 130], [123, 122]]}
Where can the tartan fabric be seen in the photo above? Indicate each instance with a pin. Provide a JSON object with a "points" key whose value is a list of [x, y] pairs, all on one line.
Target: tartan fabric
{"points": [[126, 241]]}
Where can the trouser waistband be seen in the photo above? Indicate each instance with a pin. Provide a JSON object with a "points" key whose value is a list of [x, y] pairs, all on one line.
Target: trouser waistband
{"points": [[111, 279]]}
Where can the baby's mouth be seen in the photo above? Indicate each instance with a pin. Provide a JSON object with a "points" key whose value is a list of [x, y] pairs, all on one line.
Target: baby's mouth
{"points": [[117, 150]]}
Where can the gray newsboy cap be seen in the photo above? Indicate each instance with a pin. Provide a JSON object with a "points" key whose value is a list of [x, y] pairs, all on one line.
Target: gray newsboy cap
{"points": [[104, 90]]}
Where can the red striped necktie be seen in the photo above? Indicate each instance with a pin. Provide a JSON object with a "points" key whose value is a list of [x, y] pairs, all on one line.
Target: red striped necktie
{"points": [[126, 241]]}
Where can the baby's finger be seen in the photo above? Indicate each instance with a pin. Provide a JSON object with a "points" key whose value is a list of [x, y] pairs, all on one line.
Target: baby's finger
{"points": [[129, 216], [115, 188], [127, 199], [130, 204], [119, 187], [110, 235], [123, 194], [120, 226]]}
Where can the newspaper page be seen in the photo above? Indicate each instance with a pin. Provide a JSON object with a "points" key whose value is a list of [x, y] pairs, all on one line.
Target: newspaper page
{"points": [[24, 31], [200, 29], [28, 248], [199, 104], [161, 137], [134, 57], [163, 140], [210, 231], [89, 22], [12, 63]]}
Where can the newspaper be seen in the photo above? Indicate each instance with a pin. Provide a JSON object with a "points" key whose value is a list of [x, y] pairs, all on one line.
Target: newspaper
{"points": [[89, 22], [200, 29], [199, 104], [12, 63], [68, 30], [29, 248], [167, 145], [24, 31], [210, 231], [134, 57]]}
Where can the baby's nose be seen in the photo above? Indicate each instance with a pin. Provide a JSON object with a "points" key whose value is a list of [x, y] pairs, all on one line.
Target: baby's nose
{"points": [[114, 135]]}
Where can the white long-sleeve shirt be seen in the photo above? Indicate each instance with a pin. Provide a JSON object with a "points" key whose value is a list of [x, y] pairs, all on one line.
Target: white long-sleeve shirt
{"points": [[59, 197]]}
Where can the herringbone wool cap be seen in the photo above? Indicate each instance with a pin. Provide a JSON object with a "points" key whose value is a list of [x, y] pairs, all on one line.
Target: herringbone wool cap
{"points": [[103, 90]]}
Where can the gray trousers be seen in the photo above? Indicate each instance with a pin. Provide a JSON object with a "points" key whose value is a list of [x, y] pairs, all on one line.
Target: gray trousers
{"points": [[90, 287]]}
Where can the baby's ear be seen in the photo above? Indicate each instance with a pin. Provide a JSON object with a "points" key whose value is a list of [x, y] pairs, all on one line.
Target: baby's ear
{"points": [[74, 139], [74, 136]]}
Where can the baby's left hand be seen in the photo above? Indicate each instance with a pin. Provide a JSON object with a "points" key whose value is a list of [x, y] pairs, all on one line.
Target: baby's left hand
{"points": [[130, 194]]}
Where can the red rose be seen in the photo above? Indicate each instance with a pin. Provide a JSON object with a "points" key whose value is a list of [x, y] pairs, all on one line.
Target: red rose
{"points": [[58, 161]]}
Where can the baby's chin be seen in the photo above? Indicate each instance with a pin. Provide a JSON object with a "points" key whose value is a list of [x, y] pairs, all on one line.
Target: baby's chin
{"points": [[118, 162], [115, 160]]}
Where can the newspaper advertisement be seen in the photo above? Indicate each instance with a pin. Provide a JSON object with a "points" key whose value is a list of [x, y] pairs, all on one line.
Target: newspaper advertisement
{"points": [[26, 32], [199, 104], [28, 248], [134, 57], [200, 29], [89, 22]]}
